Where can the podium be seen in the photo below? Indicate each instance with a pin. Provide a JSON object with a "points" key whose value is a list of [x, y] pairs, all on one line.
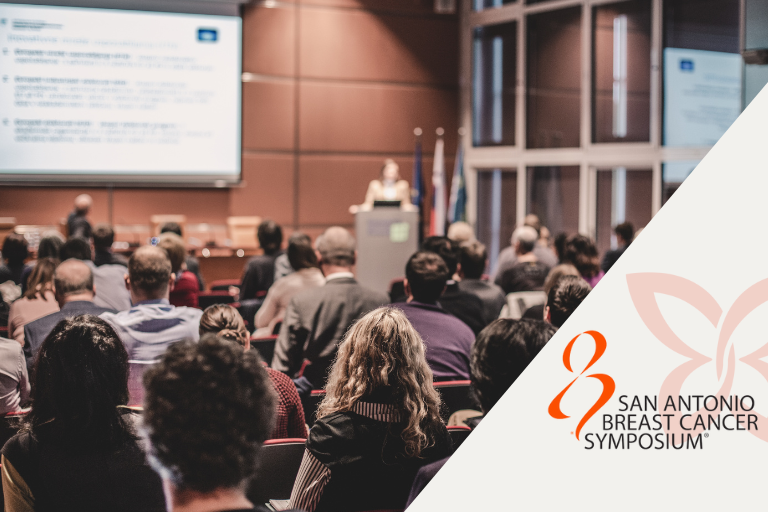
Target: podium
{"points": [[386, 238]]}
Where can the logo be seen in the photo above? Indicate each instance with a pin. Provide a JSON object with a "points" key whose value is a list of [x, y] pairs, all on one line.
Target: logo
{"points": [[609, 386], [207, 35], [643, 288], [686, 65]]}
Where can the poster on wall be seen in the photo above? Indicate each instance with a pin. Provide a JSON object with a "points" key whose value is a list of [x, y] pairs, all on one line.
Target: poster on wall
{"points": [[702, 95]]}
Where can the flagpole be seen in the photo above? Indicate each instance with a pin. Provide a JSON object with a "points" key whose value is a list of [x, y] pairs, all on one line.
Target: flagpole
{"points": [[418, 182], [438, 215]]}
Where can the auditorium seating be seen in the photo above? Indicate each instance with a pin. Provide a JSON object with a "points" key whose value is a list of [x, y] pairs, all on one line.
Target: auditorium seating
{"points": [[455, 395], [224, 284], [458, 434], [205, 299], [265, 347], [310, 404], [278, 464]]}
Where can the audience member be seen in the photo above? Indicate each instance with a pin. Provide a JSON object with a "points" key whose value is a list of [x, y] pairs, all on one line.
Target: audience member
{"points": [[109, 280], [185, 286], [15, 251], [543, 253], [38, 301], [581, 252], [465, 306], [447, 339], [563, 299], [152, 324], [625, 233], [474, 259], [14, 380], [49, 247], [207, 410], [560, 240], [78, 449], [282, 263], [306, 275], [73, 283], [500, 355], [379, 421], [193, 265], [527, 274], [77, 222], [564, 269], [224, 321], [316, 320], [461, 232], [260, 270], [103, 238]]}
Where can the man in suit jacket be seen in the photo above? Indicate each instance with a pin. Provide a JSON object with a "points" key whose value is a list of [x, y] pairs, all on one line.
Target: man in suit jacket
{"points": [[625, 232], [448, 340], [74, 293], [474, 258], [316, 320]]}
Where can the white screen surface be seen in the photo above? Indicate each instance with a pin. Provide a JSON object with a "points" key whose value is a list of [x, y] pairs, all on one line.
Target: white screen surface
{"points": [[117, 95]]}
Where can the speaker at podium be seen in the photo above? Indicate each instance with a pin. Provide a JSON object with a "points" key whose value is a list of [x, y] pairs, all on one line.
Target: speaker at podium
{"points": [[386, 237]]}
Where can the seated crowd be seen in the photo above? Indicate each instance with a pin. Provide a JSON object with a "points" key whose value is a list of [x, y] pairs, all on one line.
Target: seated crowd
{"points": [[86, 316]]}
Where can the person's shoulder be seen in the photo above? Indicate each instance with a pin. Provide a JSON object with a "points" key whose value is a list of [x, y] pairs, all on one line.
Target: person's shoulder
{"points": [[279, 378], [19, 446], [187, 312]]}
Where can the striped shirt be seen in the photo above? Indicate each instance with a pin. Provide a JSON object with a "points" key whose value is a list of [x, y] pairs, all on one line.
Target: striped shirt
{"points": [[149, 327]]}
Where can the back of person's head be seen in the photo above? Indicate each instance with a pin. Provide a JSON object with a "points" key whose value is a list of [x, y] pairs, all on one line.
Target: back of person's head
{"points": [[301, 254], [80, 378], [40, 279], [224, 321], [581, 252], [171, 227], [473, 259], [383, 349], [564, 297], [103, 236], [446, 248], [73, 277], [558, 271], [15, 249], [336, 247], [83, 203], [270, 236], [208, 407], [460, 232], [532, 220], [427, 274], [501, 353], [524, 238], [76, 248], [50, 245], [560, 240], [626, 231], [174, 246], [149, 270]]}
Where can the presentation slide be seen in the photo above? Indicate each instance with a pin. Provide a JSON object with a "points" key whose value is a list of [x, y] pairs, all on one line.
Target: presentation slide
{"points": [[102, 94], [702, 95]]}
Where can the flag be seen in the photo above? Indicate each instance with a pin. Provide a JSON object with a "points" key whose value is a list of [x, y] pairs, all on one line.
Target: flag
{"points": [[437, 220], [457, 209], [417, 192]]}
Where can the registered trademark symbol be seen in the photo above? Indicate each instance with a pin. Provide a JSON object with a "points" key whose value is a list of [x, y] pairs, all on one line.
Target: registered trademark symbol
{"points": [[706, 434]]}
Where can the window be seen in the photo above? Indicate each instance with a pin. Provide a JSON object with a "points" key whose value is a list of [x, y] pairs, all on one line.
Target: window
{"points": [[479, 5], [621, 86], [497, 209], [673, 175], [553, 194], [554, 79], [622, 196], [494, 66]]}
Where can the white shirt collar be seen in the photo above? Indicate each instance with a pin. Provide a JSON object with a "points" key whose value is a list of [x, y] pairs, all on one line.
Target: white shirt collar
{"points": [[339, 275]]}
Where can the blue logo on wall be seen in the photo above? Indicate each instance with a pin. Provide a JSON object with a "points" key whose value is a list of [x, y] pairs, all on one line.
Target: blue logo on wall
{"points": [[207, 35], [686, 65]]}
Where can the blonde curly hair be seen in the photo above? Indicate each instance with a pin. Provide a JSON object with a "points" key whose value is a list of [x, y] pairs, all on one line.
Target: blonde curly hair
{"points": [[381, 349]]}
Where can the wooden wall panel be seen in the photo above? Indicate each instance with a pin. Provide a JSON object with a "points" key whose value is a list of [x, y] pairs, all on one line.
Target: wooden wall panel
{"points": [[268, 188], [269, 115], [269, 40]]}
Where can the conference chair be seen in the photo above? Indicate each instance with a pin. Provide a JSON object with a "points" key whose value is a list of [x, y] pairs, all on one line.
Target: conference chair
{"points": [[265, 347], [455, 395], [277, 465], [519, 302], [458, 434], [310, 403], [224, 285], [136, 369], [205, 299]]}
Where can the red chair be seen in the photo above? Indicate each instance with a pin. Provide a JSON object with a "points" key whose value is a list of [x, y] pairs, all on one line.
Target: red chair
{"points": [[278, 463], [4, 331], [265, 347], [456, 395], [310, 404], [224, 284], [458, 434], [205, 299]]}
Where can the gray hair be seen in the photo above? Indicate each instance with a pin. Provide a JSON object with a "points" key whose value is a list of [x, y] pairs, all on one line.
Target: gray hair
{"points": [[526, 237], [73, 276], [336, 247]]}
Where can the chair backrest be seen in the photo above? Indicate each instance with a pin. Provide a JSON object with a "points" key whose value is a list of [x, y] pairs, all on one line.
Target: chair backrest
{"points": [[455, 395], [265, 347], [224, 284], [519, 302], [458, 435], [310, 404], [136, 369], [205, 299], [278, 463]]}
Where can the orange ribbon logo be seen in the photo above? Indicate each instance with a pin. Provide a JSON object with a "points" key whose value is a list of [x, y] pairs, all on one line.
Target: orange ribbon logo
{"points": [[609, 386]]}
